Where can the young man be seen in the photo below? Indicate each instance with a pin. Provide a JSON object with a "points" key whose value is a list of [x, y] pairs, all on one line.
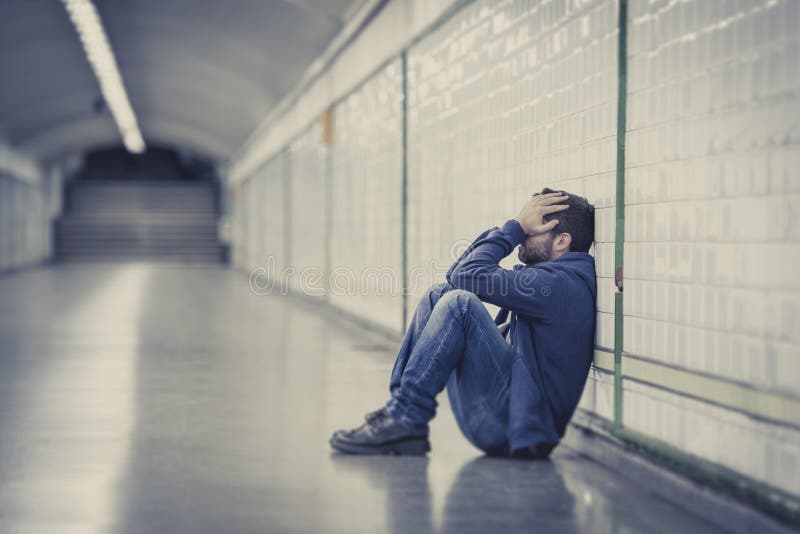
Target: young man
{"points": [[513, 382]]}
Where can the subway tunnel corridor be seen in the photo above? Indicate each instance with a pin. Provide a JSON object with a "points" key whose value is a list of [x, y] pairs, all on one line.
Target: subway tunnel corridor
{"points": [[142, 397], [217, 220]]}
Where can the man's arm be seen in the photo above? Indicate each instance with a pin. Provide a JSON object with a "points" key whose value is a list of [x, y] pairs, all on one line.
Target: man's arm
{"points": [[522, 291], [527, 291], [467, 252]]}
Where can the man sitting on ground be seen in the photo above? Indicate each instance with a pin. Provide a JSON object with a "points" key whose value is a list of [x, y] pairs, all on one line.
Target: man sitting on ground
{"points": [[513, 382]]}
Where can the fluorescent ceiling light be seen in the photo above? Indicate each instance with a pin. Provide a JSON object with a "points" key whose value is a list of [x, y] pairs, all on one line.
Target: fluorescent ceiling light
{"points": [[95, 42]]}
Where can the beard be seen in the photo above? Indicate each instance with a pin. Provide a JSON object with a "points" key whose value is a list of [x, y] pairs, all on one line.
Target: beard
{"points": [[536, 252]]}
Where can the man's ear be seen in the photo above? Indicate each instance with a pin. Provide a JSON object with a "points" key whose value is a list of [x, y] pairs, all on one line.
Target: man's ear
{"points": [[562, 242]]}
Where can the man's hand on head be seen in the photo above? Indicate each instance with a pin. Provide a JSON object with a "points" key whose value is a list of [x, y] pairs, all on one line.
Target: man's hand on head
{"points": [[531, 218]]}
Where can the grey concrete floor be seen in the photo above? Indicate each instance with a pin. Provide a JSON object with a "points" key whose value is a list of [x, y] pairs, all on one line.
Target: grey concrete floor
{"points": [[164, 398]]}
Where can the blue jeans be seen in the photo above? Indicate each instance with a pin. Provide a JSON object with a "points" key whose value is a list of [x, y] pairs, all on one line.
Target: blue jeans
{"points": [[453, 341]]}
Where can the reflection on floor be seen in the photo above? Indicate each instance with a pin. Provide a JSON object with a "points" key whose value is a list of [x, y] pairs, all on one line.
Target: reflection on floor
{"points": [[158, 398]]}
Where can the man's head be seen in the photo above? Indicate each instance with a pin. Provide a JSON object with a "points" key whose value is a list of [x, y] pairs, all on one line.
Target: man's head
{"points": [[573, 233]]}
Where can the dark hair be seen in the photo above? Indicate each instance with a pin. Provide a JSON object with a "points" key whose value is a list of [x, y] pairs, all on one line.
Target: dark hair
{"points": [[577, 221]]}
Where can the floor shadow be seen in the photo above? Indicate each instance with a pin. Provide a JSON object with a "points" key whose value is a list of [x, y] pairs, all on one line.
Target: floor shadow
{"points": [[487, 495], [404, 480], [505, 495]]}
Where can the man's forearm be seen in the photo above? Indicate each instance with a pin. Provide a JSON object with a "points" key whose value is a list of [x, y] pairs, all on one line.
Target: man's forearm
{"points": [[464, 254], [484, 255]]}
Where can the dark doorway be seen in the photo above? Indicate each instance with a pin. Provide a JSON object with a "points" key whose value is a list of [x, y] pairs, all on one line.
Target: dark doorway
{"points": [[156, 163]]}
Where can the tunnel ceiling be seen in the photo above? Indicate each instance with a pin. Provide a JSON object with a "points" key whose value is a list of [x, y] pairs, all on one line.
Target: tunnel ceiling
{"points": [[200, 74]]}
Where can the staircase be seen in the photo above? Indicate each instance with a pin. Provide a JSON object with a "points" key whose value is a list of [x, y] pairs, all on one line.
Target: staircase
{"points": [[139, 220]]}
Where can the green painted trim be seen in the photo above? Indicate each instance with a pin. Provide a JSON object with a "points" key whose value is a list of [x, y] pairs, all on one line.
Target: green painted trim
{"points": [[739, 397], [404, 193], [618, 340], [753, 493], [619, 246]]}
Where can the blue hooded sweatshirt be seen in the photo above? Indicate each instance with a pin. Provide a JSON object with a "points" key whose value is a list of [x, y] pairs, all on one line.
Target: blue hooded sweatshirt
{"points": [[552, 306]]}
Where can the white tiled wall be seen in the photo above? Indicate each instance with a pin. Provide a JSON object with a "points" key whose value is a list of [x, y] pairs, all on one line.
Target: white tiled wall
{"points": [[274, 194], [238, 218], [712, 195], [507, 97], [366, 205], [598, 395], [502, 102], [259, 213], [25, 223], [254, 228], [308, 210], [764, 451], [246, 228], [241, 236]]}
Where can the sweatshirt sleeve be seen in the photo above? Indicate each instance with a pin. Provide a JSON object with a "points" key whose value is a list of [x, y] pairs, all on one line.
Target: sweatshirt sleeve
{"points": [[528, 291], [468, 251]]}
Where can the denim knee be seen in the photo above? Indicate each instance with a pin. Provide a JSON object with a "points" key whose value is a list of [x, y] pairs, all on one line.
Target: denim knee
{"points": [[435, 293], [457, 297], [438, 289]]}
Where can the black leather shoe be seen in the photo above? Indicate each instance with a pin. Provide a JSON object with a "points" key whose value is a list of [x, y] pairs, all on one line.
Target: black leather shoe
{"points": [[368, 418], [381, 434]]}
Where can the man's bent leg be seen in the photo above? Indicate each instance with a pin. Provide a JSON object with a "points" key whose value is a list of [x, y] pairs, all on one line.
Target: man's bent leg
{"points": [[480, 400], [455, 327], [459, 336], [414, 331], [380, 433]]}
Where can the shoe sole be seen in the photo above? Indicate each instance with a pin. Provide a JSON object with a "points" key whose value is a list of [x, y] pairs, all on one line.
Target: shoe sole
{"points": [[401, 447]]}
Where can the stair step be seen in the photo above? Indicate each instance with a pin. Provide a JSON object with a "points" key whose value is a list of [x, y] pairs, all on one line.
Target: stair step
{"points": [[189, 258], [100, 245], [147, 230], [141, 197], [108, 220]]}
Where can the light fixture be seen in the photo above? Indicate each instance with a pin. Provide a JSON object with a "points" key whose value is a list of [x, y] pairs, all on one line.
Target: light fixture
{"points": [[95, 43]]}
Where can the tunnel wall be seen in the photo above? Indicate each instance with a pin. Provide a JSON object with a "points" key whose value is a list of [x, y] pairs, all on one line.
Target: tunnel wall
{"points": [[698, 357], [309, 226], [27, 208], [259, 226], [711, 227], [366, 200]]}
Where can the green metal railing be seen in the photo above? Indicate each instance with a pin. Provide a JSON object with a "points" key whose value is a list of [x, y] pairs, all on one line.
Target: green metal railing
{"points": [[619, 245]]}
